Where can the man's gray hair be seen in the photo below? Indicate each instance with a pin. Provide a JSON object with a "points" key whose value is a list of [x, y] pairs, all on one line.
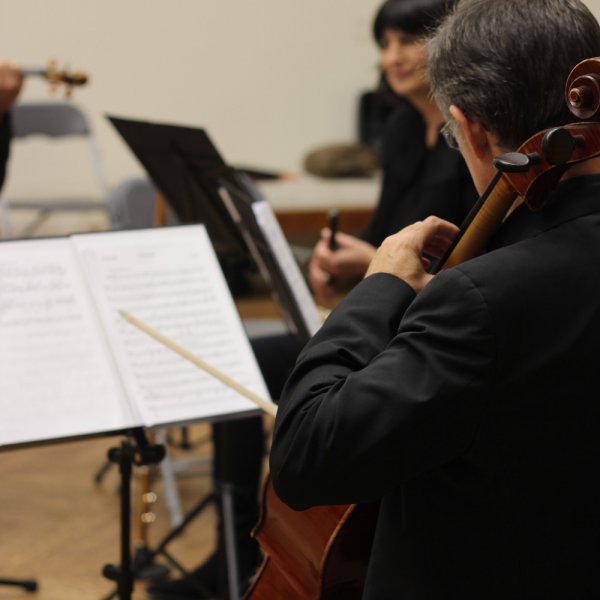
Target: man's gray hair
{"points": [[504, 63]]}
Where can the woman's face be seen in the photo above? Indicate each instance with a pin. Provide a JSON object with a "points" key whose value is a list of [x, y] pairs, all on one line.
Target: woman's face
{"points": [[403, 61]]}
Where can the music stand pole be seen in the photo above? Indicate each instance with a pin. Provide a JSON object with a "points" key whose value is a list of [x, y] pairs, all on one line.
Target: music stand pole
{"points": [[228, 458], [128, 454], [231, 560], [224, 495]]}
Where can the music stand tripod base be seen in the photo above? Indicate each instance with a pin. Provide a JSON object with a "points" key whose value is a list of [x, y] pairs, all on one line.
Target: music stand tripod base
{"points": [[27, 584], [129, 453]]}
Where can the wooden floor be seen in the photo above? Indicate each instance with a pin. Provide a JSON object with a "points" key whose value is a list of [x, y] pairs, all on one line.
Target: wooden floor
{"points": [[60, 527]]}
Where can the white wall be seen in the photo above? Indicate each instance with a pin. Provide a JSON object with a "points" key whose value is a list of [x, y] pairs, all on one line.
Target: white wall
{"points": [[268, 79]]}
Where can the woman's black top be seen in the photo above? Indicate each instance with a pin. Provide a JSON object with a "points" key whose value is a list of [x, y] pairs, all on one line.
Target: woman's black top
{"points": [[418, 181]]}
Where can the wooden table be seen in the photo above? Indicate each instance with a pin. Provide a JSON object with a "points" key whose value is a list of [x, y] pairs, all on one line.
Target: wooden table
{"points": [[302, 204]]}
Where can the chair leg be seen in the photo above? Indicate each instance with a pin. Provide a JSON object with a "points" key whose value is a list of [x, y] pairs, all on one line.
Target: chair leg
{"points": [[5, 224], [167, 472], [39, 219]]}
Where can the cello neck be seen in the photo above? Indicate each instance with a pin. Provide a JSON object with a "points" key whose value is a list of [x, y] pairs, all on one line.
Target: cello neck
{"points": [[480, 224]]}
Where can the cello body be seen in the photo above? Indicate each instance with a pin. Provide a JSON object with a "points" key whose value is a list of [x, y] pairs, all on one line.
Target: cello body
{"points": [[318, 553]]}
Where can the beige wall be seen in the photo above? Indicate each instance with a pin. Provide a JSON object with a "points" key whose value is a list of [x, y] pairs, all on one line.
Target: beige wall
{"points": [[594, 6], [269, 79]]}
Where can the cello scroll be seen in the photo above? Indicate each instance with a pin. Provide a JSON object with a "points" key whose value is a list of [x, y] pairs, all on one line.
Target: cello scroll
{"points": [[582, 91]]}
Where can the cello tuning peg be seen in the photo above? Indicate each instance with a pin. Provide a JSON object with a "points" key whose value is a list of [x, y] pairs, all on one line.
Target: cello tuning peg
{"points": [[516, 162], [558, 145]]}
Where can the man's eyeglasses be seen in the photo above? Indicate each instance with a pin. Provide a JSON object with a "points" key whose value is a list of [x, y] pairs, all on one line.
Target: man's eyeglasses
{"points": [[447, 131]]}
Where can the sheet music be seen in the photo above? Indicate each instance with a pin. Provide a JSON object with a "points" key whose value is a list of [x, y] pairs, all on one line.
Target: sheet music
{"points": [[265, 217], [171, 279], [56, 376]]}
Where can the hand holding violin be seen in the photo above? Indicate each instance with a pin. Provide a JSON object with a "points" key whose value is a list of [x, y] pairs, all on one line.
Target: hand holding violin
{"points": [[11, 81]]}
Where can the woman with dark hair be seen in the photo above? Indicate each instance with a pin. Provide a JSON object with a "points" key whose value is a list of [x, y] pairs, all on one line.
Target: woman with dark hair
{"points": [[422, 176], [415, 17]]}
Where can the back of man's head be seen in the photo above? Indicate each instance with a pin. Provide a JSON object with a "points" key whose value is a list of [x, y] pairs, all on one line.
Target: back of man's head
{"points": [[505, 63]]}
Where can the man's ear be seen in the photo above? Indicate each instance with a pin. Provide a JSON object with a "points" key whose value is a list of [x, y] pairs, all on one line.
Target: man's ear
{"points": [[478, 141]]}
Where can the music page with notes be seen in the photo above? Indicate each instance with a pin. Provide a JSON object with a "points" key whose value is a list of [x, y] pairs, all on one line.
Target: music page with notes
{"points": [[70, 364]]}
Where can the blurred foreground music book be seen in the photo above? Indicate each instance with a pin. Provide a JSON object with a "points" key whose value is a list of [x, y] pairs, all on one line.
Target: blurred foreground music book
{"points": [[70, 365]]}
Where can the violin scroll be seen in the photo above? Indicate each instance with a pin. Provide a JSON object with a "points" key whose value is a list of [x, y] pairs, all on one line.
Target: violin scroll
{"points": [[56, 76]]}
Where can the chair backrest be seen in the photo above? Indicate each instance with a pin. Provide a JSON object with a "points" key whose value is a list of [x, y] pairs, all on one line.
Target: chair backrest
{"points": [[58, 119], [53, 119], [131, 205]]}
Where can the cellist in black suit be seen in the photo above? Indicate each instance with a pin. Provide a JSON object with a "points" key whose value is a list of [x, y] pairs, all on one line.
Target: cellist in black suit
{"points": [[466, 402]]}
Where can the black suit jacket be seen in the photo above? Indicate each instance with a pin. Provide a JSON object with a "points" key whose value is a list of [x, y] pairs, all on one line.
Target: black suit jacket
{"points": [[472, 411]]}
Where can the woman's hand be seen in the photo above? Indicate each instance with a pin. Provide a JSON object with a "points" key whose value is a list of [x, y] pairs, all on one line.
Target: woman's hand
{"points": [[332, 271], [11, 80]]}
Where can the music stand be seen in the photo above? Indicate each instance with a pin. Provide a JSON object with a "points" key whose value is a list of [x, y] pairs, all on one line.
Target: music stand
{"points": [[183, 163], [199, 186]]}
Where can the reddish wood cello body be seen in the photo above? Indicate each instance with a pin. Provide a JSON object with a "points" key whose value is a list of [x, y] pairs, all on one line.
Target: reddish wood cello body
{"points": [[322, 553]]}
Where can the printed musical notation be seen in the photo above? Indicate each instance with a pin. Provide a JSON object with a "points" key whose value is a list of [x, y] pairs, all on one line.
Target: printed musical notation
{"points": [[52, 360], [71, 365], [176, 284]]}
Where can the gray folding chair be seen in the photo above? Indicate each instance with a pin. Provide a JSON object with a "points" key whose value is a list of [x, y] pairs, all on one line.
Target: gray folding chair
{"points": [[53, 120], [131, 205]]}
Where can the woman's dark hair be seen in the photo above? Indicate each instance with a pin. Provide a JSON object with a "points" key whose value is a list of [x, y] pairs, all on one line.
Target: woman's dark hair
{"points": [[416, 17]]}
